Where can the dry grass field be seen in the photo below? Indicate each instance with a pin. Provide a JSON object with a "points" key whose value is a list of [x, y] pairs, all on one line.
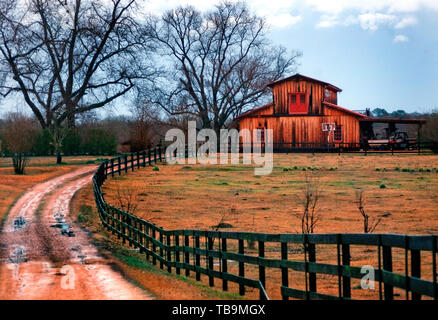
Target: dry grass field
{"points": [[400, 190], [198, 197]]}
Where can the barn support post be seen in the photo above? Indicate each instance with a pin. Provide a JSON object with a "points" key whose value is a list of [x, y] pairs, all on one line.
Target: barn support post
{"points": [[419, 138]]}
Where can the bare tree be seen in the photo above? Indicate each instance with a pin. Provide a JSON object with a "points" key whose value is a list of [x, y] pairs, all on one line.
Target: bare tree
{"points": [[127, 199], [66, 57], [369, 224], [310, 195], [57, 135], [19, 133], [220, 62]]}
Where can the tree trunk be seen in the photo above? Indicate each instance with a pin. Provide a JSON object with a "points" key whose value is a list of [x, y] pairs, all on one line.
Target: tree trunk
{"points": [[58, 158]]}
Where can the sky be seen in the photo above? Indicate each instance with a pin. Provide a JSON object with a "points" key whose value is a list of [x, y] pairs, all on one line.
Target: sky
{"points": [[381, 53]]}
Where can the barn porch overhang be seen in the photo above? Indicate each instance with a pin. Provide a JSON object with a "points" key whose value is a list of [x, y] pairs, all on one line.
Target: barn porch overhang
{"points": [[392, 120]]}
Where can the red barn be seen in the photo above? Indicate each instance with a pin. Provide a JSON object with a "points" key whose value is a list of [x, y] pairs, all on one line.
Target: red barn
{"points": [[305, 114]]}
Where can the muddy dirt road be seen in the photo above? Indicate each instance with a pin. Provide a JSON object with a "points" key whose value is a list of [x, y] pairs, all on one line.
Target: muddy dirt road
{"points": [[45, 255]]}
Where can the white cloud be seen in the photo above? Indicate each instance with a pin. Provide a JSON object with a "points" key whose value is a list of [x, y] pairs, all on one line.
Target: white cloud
{"points": [[283, 20], [372, 21], [369, 14], [400, 38], [328, 21], [391, 6], [406, 22]]}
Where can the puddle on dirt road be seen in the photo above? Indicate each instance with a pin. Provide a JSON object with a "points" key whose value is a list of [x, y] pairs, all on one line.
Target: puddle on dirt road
{"points": [[62, 225], [18, 255], [19, 223]]}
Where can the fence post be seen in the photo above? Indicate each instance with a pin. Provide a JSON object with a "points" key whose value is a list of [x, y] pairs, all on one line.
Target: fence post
{"points": [[197, 258], [312, 275], [161, 250], [416, 270], [187, 254], [112, 168], [169, 253], [149, 154], [224, 264], [146, 231], [346, 281], [120, 165], [387, 266], [434, 275], [241, 267], [177, 254], [262, 271], [159, 151], [126, 163], [119, 224], [154, 247], [132, 161], [155, 155], [210, 265], [284, 271]]}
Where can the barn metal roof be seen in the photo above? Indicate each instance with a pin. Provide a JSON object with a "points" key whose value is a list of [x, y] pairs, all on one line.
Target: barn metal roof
{"points": [[300, 76]]}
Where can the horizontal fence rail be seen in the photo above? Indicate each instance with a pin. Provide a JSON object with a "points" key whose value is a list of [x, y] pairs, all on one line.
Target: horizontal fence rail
{"points": [[213, 253], [350, 147]]}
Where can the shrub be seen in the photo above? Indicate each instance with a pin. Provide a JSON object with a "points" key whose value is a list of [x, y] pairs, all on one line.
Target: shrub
{"points": [[156, 169], [382, 186]]}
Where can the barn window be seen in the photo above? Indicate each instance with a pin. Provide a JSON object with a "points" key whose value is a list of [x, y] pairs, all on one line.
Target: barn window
{"points": [[339, 135], [293, 98], [297, 103]]}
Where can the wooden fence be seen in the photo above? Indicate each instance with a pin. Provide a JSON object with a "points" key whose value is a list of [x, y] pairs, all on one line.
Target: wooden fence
{"points": [[211, 253]]}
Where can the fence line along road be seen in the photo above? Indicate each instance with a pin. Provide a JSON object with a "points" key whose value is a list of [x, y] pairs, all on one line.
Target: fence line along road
{"points": [[214, 253]]}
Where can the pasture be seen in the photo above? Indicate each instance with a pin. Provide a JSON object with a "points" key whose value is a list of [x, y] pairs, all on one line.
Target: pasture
{"points": [[400, 191]]}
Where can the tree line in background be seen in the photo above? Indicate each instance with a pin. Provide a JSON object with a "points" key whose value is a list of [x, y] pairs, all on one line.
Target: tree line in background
{"points": [[68, 58]]}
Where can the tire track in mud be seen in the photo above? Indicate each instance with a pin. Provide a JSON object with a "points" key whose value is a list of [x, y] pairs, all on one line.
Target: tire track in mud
{"points": [[45, 255]]}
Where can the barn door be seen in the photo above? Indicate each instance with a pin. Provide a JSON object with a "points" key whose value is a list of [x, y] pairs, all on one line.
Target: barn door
{"points": [[297, 103]]}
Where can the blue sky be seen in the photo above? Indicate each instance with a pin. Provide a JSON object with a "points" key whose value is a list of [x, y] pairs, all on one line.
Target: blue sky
{"points": [[382, 53], [384, 67]]}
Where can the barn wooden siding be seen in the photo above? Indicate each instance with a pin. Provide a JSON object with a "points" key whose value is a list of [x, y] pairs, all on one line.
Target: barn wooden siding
{"points": [[314, 96], [302, 129]]}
